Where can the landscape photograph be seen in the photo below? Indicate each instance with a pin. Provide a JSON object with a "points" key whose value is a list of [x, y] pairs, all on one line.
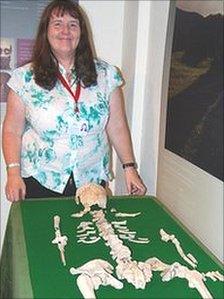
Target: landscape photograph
{"points": [[194, 126]]}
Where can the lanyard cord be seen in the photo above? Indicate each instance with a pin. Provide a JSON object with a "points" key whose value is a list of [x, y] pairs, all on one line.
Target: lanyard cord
{"points": [[75, 96]]}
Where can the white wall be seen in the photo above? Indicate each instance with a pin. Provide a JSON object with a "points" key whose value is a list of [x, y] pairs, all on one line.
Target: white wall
{"points": [[128, 67], [142, 63], [194, 197], [106, 20], [153, 82]]}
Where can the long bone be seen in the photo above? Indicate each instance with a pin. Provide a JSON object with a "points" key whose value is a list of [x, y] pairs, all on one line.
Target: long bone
{"points": [[166, 237], [86, 285], [60, 240]]}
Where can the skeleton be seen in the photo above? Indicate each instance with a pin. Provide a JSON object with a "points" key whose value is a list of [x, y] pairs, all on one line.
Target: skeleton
{"points": [[89, 195], [93, 274], [60, 240], [98, 272]]}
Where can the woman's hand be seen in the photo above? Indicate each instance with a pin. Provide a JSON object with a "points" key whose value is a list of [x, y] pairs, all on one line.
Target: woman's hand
{"points": [[15, 189], [134, 183]]}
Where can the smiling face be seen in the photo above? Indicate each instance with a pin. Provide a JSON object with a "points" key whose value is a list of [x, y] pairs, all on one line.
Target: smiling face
{"points": [[63, 35]]}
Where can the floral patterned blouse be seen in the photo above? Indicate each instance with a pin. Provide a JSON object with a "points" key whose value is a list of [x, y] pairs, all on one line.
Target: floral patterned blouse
{"points": [[58, 141]]}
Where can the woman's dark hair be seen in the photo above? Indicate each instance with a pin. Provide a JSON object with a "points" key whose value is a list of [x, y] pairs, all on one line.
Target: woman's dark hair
{"points": [[44, 64]]}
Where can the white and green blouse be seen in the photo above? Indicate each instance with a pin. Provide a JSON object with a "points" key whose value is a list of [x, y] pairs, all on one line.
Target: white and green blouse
{"points": [[56, 140]]}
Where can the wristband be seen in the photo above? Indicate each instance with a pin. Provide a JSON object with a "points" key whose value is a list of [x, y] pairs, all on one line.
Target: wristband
{"points": [[11, 165], [130, 164]]}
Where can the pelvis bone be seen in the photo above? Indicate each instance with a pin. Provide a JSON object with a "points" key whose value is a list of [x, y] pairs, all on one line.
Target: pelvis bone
{"points": [[93, 274]]}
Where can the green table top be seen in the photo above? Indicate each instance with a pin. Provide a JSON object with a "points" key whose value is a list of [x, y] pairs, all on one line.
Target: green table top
{"points": [[31, 265]]}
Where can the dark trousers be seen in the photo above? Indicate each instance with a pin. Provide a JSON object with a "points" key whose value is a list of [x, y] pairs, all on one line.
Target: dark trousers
{"points": [[35, 190]]}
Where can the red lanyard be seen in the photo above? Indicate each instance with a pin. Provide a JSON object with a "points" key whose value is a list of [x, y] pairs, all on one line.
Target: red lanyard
{"points": [[77, 92]]}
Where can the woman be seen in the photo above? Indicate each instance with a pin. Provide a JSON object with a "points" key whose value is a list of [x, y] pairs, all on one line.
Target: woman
{"points": [[62, 108]]}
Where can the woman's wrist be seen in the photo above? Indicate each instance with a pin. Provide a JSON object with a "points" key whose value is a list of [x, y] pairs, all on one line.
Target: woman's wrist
{"points": [[13, 169], [13, 174]]}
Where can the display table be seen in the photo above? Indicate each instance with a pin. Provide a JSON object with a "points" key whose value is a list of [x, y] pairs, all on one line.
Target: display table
{"points": [[31, 265]]}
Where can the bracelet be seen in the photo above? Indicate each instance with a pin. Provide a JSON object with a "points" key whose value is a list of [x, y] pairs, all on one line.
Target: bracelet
{"points": [[130, 164], [11, 165]]}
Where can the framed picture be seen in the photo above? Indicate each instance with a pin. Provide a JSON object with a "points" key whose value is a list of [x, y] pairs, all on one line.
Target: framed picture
{"points": [[194, 123]]}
